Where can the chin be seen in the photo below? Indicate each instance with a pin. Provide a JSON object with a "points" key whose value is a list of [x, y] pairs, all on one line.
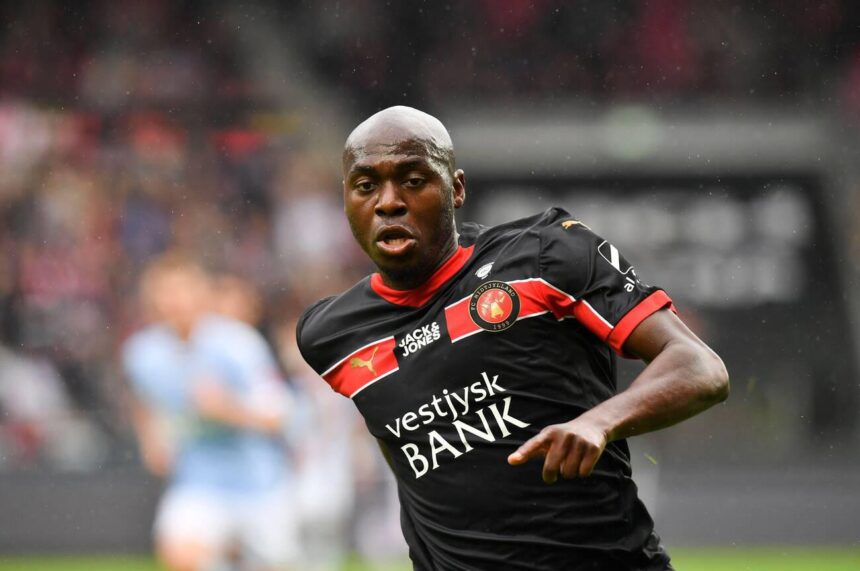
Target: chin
{"points": [[398, 269], [401, 262], [404, 273]]}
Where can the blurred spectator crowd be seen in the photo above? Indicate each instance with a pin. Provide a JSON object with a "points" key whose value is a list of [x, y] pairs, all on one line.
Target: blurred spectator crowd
{"points": [[129, 128], [85, 204], [375, 53], [126, 130], [124, 133], [669, 51]]}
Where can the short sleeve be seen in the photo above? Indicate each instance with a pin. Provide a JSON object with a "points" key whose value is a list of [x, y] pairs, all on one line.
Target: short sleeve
{"points": [[589, 279], [238, 357], [137, 365], [131, 366], [306, 340], [268, 391]]}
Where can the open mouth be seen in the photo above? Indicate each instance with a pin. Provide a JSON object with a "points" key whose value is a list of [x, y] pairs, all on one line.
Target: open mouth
{"points": [[395, 240]]}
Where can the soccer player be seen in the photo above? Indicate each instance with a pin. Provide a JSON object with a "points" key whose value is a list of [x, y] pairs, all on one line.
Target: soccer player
{"points": [[209, 413], [471, 353]]}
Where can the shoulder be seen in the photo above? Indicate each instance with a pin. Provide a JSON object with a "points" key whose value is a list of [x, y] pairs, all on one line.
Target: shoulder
{"points": [[144, 342], [312, 324], [553, 233], [225, 334], [529, 226], [327, 322], [145, 352], [330, 313], [564, 236], [559, 224]]}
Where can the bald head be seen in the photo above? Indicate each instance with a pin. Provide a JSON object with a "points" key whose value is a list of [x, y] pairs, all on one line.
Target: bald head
{"points": [[400, 130], [400, 190]]}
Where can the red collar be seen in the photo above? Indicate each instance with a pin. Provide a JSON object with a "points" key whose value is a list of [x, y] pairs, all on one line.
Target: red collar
{"points": [[422, 294]]}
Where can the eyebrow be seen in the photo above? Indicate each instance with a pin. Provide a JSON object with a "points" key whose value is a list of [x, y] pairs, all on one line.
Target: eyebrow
{"points": [[361, 169], [412, 164]]}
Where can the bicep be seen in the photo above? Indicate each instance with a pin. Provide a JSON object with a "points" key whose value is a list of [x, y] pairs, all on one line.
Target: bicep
{"points": [[658, 331]]}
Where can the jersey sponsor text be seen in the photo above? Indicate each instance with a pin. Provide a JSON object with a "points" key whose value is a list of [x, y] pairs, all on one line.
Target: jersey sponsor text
{"points": [[420, 337], [456, 405]]}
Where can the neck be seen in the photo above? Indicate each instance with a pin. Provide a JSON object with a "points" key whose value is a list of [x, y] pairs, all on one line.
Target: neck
{"points": [[184, 328]]}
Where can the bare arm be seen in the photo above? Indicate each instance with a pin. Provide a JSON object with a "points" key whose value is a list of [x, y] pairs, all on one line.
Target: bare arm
{"points": [[155, 449], [683, 377], [216, 403]]}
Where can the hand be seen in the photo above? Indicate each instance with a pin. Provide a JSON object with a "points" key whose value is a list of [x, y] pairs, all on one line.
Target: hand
{"points": [[572, 449], [158, 459], [212, 400], [215, 402]]}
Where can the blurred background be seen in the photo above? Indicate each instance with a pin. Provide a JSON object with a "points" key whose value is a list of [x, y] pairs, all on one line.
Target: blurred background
{"points": [[714, 142]]}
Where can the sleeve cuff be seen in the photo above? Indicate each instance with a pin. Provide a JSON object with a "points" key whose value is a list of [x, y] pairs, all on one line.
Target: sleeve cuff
{"points": [[654, 302]]}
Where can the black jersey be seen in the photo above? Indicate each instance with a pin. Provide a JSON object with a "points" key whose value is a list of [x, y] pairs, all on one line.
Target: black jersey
{"points": [[513, 333]]}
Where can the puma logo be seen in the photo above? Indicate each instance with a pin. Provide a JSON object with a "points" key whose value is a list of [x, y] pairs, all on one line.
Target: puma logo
{"points": [[357, 362], [568, 223]]}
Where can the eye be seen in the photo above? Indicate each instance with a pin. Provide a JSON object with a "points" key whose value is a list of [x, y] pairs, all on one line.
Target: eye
{"points": [[414, 182], [364, 185]]}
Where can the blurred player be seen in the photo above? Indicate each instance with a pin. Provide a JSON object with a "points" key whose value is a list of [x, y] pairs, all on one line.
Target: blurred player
{"points": [[326, 451], [470, 354], [238, 298], [209, 415]]}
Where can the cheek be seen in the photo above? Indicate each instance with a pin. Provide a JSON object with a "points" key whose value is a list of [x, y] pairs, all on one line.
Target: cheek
{"points": [[359, 223], [435, 210]]}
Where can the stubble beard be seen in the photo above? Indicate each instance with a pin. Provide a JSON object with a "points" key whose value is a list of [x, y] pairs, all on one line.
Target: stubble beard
{"points": [[410, 277]]}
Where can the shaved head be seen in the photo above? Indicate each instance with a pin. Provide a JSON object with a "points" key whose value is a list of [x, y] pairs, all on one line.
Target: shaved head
{"points": [[400, 190], [401, 130]]}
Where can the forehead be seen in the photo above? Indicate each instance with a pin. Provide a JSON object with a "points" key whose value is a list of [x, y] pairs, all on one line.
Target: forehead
{"points": [[162, 278], [375, 154]]}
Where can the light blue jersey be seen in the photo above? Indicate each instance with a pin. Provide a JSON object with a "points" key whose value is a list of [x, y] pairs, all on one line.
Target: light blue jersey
{"points": [[163, 369]]}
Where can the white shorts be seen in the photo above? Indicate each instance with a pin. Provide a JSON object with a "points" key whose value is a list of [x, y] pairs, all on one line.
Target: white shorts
{"points": [[260, 525]]}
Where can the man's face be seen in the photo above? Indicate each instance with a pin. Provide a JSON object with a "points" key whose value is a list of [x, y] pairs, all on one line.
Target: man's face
{"points": [[177, 296], [399, 199]]}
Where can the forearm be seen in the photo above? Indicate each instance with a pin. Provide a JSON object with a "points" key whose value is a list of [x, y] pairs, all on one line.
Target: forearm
{"points": [[146, 430], [683, 380], [154, 447], [261, 410], [240, 416]]}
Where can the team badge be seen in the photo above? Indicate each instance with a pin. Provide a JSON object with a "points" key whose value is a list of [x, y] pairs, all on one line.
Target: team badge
{"points": [[494, 306]]}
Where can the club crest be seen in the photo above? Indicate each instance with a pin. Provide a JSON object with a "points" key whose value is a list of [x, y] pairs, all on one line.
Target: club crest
{"points": [[494, 306]]}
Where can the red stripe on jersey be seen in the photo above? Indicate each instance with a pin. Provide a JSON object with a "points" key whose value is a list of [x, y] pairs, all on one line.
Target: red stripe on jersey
{"points": [[460, 323], [592, 320], [362, 367], [654, 302], [537, 296], [422, 294], [531, 297], [565, 305]]}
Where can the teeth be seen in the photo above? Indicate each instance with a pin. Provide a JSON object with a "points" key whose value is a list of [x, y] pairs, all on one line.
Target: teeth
{"points": [[392, 241]]}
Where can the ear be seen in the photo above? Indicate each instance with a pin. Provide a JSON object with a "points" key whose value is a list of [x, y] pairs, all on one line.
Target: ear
{"points": [[459, 188]]}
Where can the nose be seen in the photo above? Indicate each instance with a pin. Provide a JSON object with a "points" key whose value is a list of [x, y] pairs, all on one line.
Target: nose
{"points": [[389, 202]]}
